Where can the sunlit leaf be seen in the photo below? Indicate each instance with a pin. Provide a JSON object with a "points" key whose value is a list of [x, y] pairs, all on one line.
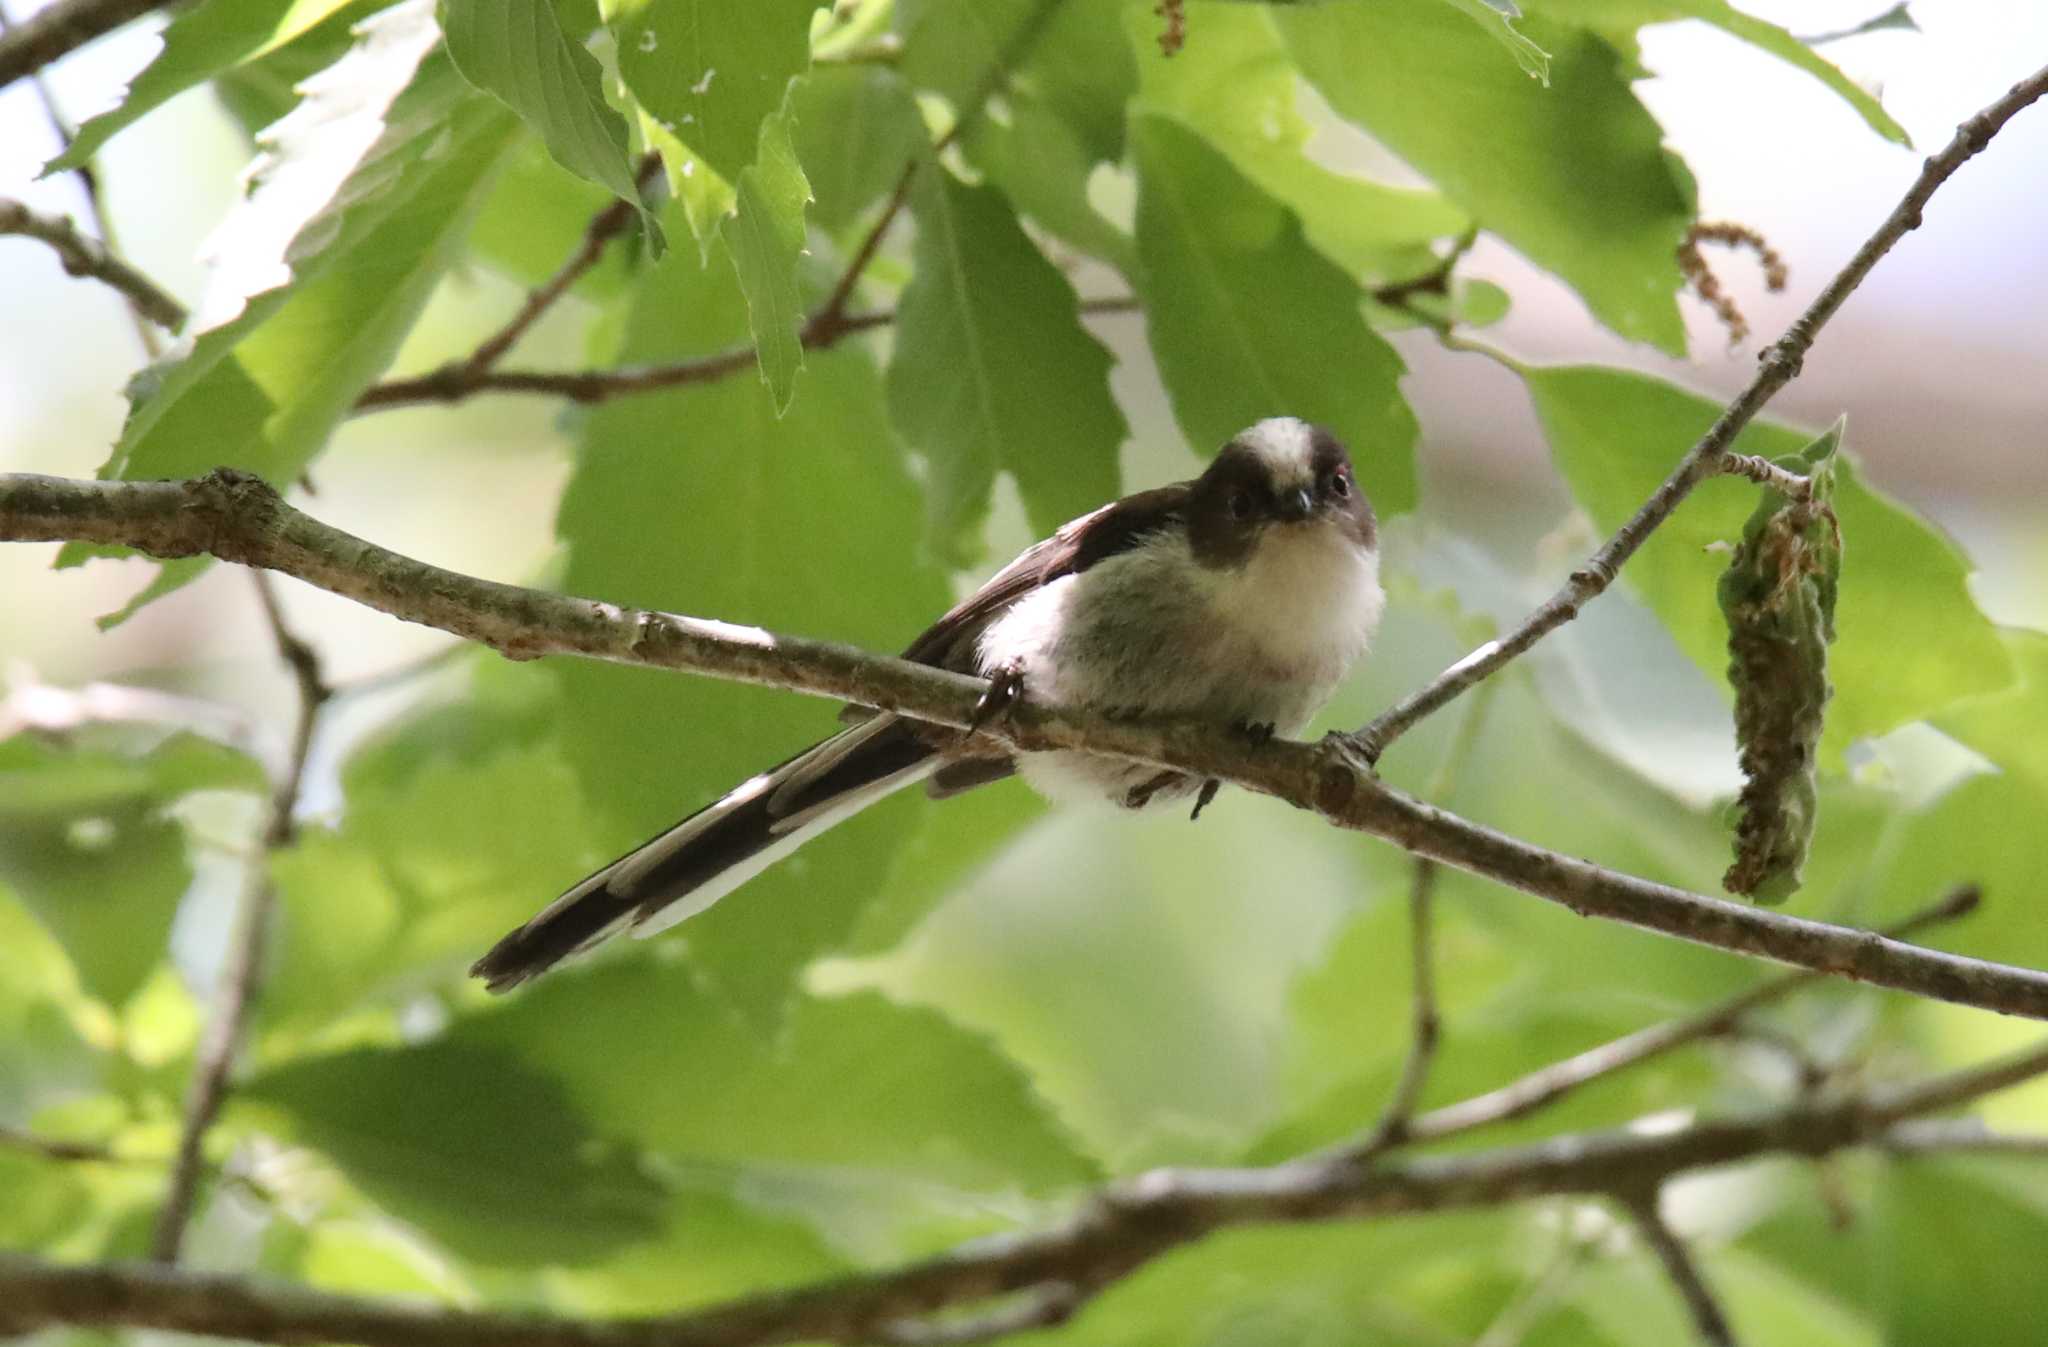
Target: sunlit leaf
{"points": [[517, 50], [765, 236], [1575, 176]]}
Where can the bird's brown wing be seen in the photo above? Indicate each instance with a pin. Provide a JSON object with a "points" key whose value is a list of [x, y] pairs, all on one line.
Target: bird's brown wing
{"points": [[1117, 527]]}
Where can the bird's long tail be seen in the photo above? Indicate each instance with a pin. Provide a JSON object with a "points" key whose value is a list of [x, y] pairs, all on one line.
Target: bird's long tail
{"points": [[715, 850]]}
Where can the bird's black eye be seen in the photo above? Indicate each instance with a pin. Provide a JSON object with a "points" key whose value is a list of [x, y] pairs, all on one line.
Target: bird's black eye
{"points": [[1240, 504], [1339, 485]]}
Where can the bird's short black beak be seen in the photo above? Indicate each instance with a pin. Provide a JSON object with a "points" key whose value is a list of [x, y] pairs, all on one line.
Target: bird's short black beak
{"points": [[1294, 506]]}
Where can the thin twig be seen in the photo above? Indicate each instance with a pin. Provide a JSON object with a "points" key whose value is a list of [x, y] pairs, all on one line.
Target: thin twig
{"points": [[57, 30], [1709, 1319], [1545, 1086], [52, 1148], [1123, 1228], [83, 256], [237, 517], [1766, 473], [604, 226], [1780, 365], [242, 973], [88, 177], [1425, 1027], [1046, 1306], [825, 328], [457, 382]]}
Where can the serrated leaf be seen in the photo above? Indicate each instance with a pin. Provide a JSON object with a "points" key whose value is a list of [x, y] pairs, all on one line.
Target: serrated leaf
{"points": [[361, 207], [1234, 84], [1618, 20], [86, 845], [806, 522], [202, 42], [517, 51], [993, 371], [765, 236], [1575, 176], [486, 1154], [909, 1093], [1910, 639], [710, 72], [1247, 320], [1038, 161]]}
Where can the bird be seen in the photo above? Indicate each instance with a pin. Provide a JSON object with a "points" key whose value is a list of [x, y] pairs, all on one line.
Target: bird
{"points": [[1243, 596]]}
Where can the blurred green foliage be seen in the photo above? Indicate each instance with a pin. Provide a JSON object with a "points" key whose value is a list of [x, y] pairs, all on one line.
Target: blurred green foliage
{"points": [[943, 1021]]}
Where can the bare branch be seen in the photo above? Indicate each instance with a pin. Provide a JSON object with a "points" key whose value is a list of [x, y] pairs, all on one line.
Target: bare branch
{"points": [[83, 256], [1425, 1026], [236, 517], [1545, 1086], [57, 30], [1708, 1317], [604, 226], [1124, 1227], [88, 176], [242, 973], [1780, 365]]}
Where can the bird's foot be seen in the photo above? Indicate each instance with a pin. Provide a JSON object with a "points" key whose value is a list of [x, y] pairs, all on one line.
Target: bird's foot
{"points": [[1259, 734], [1140, 795], [1208, 793], [1005, 690]]}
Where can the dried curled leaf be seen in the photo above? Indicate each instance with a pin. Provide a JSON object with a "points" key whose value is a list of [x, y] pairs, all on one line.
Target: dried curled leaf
{"points": [[1778, 595]]}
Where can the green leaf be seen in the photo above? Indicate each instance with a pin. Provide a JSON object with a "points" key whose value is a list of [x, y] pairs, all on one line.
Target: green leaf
{"points": [[327, 265], [536, 215], [1575, 176], [1070, 57], [516, 50], [487, 1155], [44, 1202], [1247, 321], [1910, 638], [765, 236], [803, 523], [384, 908], [856, 127], [85, 843], [710, 72], [994, 372], [202, 42], [1039, 163], [1498, 23], [1234, 85], [1618, 20], [907, 1093]]}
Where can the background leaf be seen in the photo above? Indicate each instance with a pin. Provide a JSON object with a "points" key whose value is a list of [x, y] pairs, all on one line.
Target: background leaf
{"points": [[993, 371]]}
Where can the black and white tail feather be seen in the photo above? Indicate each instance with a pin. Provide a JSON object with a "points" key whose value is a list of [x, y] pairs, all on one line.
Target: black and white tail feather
{"points": [[686, 869]]}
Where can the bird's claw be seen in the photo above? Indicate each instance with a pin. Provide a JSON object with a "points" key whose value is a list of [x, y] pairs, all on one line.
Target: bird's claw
{"points": [[1208, 793], [1005, 690]]}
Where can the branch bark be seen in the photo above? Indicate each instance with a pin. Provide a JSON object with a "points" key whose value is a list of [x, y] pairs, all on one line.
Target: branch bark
{"points": [[1779, 366], [58, 30], [236, 517], [83, 256], [1123, 1228]]}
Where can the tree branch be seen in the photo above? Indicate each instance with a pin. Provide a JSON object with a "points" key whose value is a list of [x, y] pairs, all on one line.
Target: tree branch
{"points": [[1779, 366], [1121, 1229], [83, 256], [59, 29], [236, 517], [1708, 1317], [242, 973], [1546, 1085]]}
